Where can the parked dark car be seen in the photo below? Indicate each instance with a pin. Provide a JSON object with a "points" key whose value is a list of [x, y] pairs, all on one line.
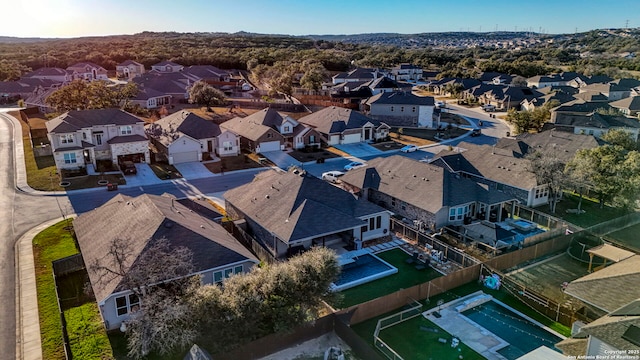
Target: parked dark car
{"points": [[128, 167]]}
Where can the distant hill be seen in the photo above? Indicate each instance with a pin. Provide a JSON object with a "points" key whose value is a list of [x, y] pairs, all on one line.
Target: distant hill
{"points": [[16, 40]]}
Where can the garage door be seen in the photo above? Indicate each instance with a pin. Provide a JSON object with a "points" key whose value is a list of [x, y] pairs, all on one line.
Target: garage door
{"points": [[186, 156], [269, 146]]}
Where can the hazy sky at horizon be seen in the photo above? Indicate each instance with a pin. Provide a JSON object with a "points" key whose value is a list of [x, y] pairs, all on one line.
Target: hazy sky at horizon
{"points": [[75, 18]]}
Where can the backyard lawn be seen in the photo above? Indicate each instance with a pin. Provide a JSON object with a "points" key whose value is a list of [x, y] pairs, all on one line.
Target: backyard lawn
{"points": [[627, 236], [546, 277], [592, 215], [83, 322], [406, 277]]}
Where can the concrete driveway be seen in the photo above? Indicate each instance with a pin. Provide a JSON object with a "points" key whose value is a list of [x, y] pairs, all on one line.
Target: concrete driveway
{"points": [[359, 150], [144, 176], [193, 170], [281, 159]]}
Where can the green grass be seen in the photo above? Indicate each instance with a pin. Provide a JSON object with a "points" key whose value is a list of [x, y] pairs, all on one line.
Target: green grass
{"points": [[51, 244], [628, 236], [409, 341], [593, 213], [406, 277], [87, 336], [547, 277], [84, 325]]}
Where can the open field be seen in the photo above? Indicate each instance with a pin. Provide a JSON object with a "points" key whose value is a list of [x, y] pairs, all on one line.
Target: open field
{"points": [[629, 237]]}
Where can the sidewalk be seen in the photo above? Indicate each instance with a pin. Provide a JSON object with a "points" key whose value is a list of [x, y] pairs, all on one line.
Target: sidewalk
{"points": [[28, 343]]}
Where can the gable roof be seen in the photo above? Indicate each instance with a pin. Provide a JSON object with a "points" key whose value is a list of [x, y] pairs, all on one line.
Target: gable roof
{"points": [[75, 120], [491, 163], [332, 120], [129, 62], [565, 143], [297, 207], [165, 63], [145, 219], [205, 71], [425, 186], [46, 71], [630, 103], [84, 65], [170, 128], [610, 288], [386, 83], [255, 125], [400, 98], [164, 83], [596, 120], [581, 106]]}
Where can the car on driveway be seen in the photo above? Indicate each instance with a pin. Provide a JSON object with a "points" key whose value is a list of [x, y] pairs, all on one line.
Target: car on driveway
{"points": [[332, 176], [128, 167], [489, 108], [441, 104], [353, 165], [409, 148]]}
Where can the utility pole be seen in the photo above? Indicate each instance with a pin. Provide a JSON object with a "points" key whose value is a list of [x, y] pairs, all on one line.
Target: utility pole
{"points": [[626, 24]]}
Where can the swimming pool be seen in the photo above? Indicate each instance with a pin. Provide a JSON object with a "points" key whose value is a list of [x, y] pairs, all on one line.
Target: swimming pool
{"points": [[522, 334], [362, 269]]}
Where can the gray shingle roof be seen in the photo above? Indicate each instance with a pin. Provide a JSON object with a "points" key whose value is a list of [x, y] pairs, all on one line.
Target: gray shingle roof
{"points": [[566, 143], [333, 120], [610, 288], [72, 121], [47, 72], [299, 207], [491, 163], [129, 62], [630, 103], [141, 221], [404, 98], [255, 125], [169, 128], [596, 120], [425, 186], [126, 139]]}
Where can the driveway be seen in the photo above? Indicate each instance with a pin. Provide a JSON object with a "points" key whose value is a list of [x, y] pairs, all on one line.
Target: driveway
{"points": [[144, 176], [193, 170], [359, 150], [281, 159]]}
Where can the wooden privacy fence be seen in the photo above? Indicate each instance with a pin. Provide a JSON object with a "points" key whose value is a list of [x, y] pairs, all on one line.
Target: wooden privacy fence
{"points": [[248, 241]]}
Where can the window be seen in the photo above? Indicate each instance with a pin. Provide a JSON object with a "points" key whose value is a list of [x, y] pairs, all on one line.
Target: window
{"points": [[312, 139], [227, 145], [269, 135], [393, 202], [84, 136], [392, 108], [98, 139], [401, 108], [364, 229], [287, 129], [126, 130], [413, 109], [378, 222], [452, 214], [372, 223], [70, 158], [126, 304], [500, 186], [217, 276], [237, 269], [66, 138]]}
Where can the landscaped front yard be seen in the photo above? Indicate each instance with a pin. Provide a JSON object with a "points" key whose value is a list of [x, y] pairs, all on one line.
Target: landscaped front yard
{"points": [[407, 276]]}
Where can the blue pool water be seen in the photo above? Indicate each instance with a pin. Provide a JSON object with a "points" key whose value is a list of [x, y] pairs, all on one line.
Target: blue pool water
{"points": [[365, 268], [521, 235], [522, 335]]}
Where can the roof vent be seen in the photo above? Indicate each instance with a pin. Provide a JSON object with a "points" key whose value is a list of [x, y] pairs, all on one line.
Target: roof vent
{"points": [[414, 175], [266, 196], [202, 226]]}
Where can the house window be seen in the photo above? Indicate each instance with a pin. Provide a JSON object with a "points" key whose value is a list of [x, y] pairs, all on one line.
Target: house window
{"points": [[84, 136], [217, 276], [372, 223], [393, 201], [98, 139], [70, 158], [126, 304], [287, 129], [500, 187], [378, 222], [413, 109], [269, 135], [228, 273], [238, 269], [392, 109], [126, 130], [364, 229], [66, 138], [452, 214], [312, 139], [401, 108], [227, 145]]}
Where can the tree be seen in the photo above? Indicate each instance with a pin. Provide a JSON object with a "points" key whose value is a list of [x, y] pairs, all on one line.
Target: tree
{"points": [[160, 278], [204, 94], [549, 171], [313, 77], [12, 70], [524, 121], [82, 95], [621, 138]]}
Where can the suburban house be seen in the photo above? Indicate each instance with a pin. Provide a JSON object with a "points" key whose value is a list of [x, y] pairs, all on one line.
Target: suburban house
{"points": [[615, 333], [358, 74], [579, 107], [401, 109], [139, 223], [166, 67], [208, 73], [80, 138], [428, 194], [349, 94], [269, 130], [129, 69], [345, 126], [185, 137], [149, 98], [562, 79], [508, 97], [406, 72], [58, 75], [611, 287], [629, 106], [596, 124], [287, 212], [385, 84], [496, 168], [157, 89], [565, 144], [610, 91], [88, 71]]}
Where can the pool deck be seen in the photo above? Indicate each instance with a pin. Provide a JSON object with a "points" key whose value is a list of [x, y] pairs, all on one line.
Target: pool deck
{"points": [[476, 337]]}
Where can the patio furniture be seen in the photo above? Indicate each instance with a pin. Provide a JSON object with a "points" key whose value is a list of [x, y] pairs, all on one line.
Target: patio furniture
{"points": [[412, 259]]}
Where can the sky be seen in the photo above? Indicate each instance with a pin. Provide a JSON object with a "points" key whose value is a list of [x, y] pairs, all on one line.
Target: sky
{"points": [[77, 18]]}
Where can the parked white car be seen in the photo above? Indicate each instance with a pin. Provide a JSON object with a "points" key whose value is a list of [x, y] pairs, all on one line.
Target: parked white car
{"points": [[489, 108], [332, 176], [409, 148]]}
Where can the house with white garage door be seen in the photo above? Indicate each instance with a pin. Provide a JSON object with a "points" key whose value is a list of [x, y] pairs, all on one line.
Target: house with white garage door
{"points": [[338, 125], [80, 138], [185, 137]]}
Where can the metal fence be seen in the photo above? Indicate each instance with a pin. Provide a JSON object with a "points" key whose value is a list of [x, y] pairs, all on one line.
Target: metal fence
{"points": [[414, 310], [448, 252]]}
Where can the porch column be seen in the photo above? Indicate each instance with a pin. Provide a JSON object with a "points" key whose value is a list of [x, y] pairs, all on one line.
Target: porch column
{"points": [[499, 217], [513, 209], [487, 212], [590, 262]]}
